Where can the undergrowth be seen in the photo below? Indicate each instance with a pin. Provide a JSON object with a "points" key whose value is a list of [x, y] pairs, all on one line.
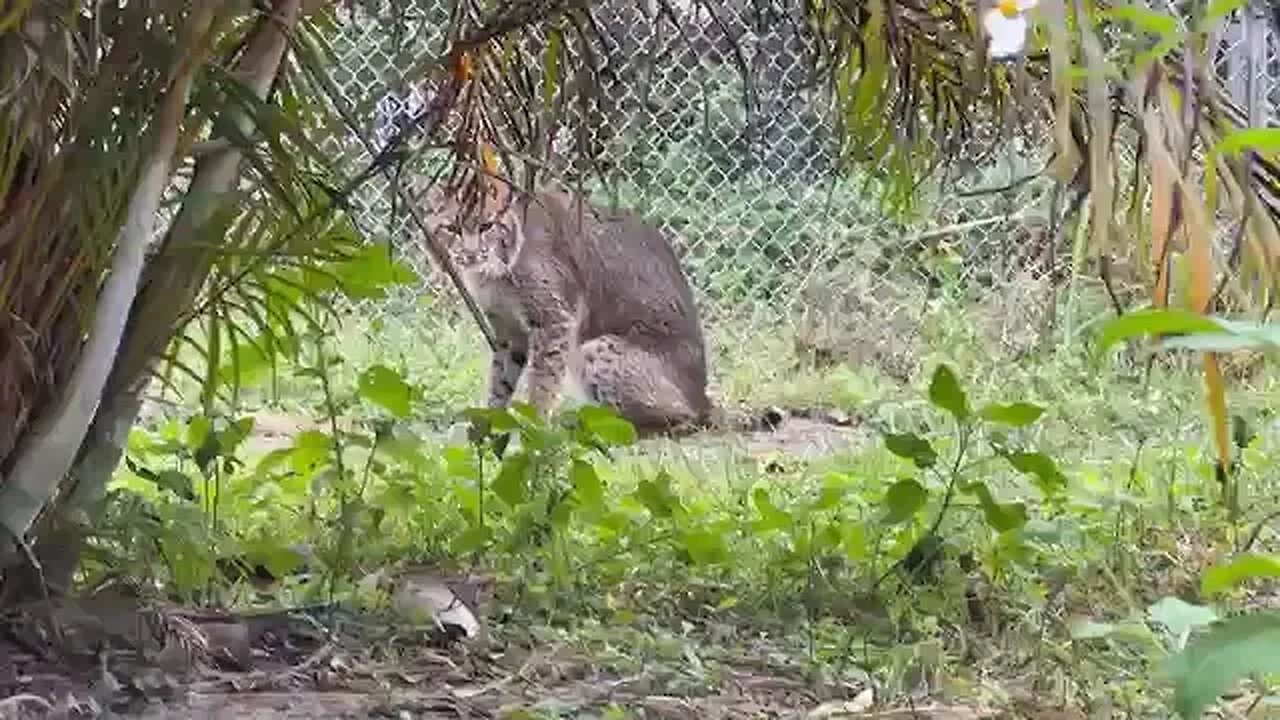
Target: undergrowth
{"points": [[999, 532]]}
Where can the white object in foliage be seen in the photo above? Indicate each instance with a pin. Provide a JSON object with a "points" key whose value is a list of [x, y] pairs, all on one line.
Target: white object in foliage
{"points": [[1006, 24]]}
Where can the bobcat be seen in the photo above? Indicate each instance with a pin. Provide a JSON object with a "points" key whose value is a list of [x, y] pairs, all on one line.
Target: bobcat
{"points": [[582, 297]]}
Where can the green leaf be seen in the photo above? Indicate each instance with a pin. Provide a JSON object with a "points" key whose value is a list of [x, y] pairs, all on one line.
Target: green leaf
{"points": [[911, 447], [1179, 616], [1019, 414], [586, 483], [198, 432], [370, 271], [903, 499], [385, 388], [178, 483], [704, 546], [771, 516], [1152, 321], [1213, 661], [310, 450], [945, 393], [1002, 517], [487, 421], [1213, 342], [460, 462], [1260, 139], [1246, 567], [1143, 19], [656, 495], [607, 425], [511, 485], [1042, 467], [472, 539]]}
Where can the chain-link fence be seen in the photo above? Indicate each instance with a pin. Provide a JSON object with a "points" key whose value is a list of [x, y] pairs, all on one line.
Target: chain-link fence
{"points": [[791, 262]]}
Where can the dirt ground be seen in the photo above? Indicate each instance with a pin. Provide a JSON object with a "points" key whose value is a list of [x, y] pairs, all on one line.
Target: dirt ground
{"points": [[120, 658]]}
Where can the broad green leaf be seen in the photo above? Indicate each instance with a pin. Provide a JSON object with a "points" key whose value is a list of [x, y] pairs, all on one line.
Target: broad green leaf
{"points": [[903, 499], [489, 420], [198, 432], [511, 484], [1227, 651], [278, 557], [385, 388], [1180, 617], [586, 483], [912, 447], [370, 271], [178, 483], [460, 462], [704, 546], [607, 425], [1018, 414], [1246, 567], [946, 394], [311, 449], [472, 539], [1002, 517], [1152, 321], [561, 514], [1048, 478], [656, 495], [771, 516]]}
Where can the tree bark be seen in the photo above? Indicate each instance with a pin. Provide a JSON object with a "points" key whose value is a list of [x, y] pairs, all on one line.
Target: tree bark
{"points": [[47, 453], [171, 283]]}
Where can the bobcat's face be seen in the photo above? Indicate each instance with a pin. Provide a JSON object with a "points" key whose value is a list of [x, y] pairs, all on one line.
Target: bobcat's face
{"points": [[484, 240]]}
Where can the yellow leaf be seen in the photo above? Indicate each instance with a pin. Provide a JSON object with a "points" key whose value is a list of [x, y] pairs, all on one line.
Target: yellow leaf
{"points": [[488, 159]]}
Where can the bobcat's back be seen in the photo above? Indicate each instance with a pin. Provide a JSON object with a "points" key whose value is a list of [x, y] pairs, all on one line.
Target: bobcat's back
{"points": [[630, 279]]}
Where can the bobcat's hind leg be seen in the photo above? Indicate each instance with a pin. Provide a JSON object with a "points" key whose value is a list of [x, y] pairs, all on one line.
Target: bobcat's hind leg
{"points": [[636, 383]]}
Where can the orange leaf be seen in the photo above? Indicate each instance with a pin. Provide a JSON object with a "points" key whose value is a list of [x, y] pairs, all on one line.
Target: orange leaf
{"points": [[461, 66], [1216, 397], [1200, 259]]}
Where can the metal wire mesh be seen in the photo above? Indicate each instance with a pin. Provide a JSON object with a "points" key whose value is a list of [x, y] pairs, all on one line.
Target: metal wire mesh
{"points": [[777, 245]]}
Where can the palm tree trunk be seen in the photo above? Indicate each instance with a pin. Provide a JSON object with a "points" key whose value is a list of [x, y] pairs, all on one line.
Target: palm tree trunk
{"points": [[47, 453], [169, 287]]}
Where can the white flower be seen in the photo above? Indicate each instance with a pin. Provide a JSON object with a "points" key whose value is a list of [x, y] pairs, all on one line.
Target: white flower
{"points": [[1006, 24]]}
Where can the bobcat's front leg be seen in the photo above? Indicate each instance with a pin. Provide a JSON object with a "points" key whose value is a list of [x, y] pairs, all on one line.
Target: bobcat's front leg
{"points": [[507, 363], [549, 344]]}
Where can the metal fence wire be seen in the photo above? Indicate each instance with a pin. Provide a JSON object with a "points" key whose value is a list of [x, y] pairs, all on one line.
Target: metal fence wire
{"points": [[779, 246]]}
